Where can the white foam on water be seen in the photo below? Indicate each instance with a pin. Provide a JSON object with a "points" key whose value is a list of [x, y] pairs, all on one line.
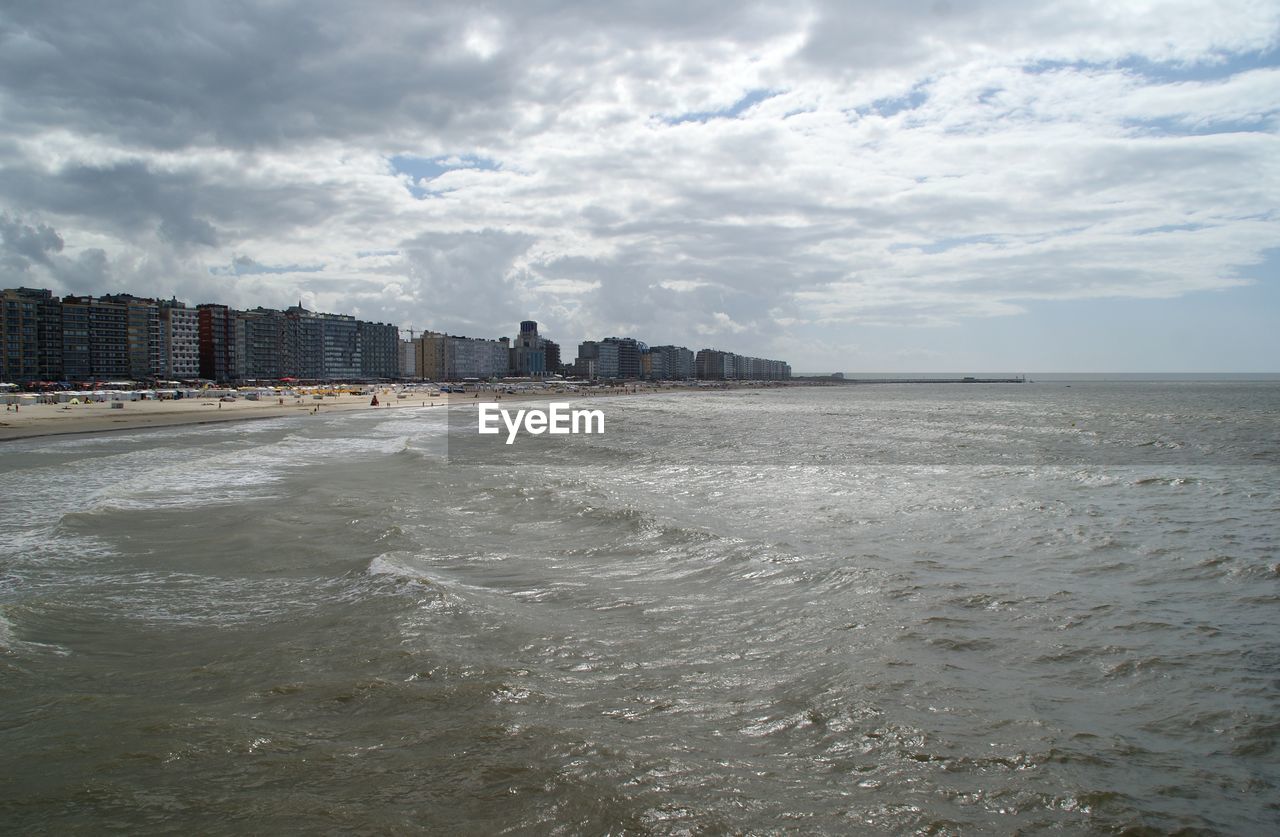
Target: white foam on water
{"points": [[394, 564]]}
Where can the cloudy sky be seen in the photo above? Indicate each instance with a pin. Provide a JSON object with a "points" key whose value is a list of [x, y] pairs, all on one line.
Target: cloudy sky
{"points": [[946, 185]]}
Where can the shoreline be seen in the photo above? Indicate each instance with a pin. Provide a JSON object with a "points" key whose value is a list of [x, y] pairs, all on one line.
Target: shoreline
{"points": [[45, 420]]}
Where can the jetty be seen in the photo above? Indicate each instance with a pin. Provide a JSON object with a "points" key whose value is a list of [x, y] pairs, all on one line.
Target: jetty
{"points": [[840, 379]]}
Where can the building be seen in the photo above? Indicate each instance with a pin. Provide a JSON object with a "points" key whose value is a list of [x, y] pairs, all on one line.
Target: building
{"points": [[670, 363], [552, 350], [466, 357], [584, 368], [303, 344], [715, 365], [709, 365], [533, 355], [603, 353], [629, 351], [340, 338], [30, 336], [444, 357], [528, 354], [122, 337], [329, 347], [409, 359], [379, 350], [76, 363], [180, 340], [144, 335], [217, 336], [19, 342], [617, 358], [429, 356], [260, 337], [95, 340]]}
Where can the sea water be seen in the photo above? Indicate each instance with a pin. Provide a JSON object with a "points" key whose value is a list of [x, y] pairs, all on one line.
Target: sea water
{"points": [[905, 608]]}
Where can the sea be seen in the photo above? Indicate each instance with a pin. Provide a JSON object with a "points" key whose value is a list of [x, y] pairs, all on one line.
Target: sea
{"points": [[1050, 607]]}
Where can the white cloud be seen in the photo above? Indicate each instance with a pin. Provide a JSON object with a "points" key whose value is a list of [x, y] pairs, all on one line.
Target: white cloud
{"points": [[682, 285], [566, 286], [721, 323]]}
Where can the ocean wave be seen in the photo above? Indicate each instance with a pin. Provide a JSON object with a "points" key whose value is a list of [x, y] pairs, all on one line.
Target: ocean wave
{"points": [[396, 565], [11, 644], [1165, 481]]}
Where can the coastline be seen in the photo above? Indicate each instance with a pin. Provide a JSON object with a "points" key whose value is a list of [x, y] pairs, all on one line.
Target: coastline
{"points": [[43, 420]]}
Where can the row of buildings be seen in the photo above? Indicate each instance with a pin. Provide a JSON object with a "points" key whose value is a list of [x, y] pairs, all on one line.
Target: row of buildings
{"points": [[127, 338], [121, 337], [435, 356], [627, 358], [442, 357]]}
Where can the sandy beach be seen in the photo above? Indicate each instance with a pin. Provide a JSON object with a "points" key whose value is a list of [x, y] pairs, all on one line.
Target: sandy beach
{"points": [[94, 417], [61, 419]]}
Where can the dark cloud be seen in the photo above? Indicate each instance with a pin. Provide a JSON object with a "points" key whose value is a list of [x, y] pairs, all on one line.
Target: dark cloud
{"points": [[88, 273], [183, 208], [24, 244], [180, 231], [179, 74]]}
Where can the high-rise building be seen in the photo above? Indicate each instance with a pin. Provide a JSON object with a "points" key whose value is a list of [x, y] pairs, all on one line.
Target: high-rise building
{"points": [[379, 350], [603, 353], [629, 352], [320, 346], [429, 356], [95, 340], [409, 359], [76, 363], [303, 344], [217, 334], [445, 357], [528, 352], [467, 357], [180, 340], [712, 364], [123, 337], [342, 355], [144, 335], [18, 337], [260, 345], [30, 335], [617, 358], [671, 363], [552, 350]]}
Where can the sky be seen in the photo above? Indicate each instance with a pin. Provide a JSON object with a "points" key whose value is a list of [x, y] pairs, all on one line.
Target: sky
{"points": [[903, 186]]}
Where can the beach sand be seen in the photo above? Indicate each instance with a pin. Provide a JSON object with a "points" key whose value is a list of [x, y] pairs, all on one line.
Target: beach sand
{"points": [[59, 419]]}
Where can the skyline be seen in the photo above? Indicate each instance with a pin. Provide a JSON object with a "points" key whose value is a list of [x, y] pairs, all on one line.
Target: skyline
{"points": [[924, 187]]}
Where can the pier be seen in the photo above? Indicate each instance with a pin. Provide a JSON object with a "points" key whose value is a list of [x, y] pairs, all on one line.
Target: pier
{"points": [[840, 379]]}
